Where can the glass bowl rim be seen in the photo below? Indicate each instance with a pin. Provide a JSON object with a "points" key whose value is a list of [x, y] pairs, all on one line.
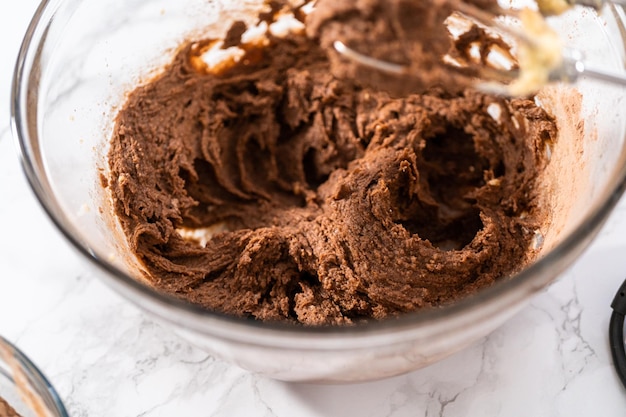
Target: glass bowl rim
{"points": [[34, 373]]}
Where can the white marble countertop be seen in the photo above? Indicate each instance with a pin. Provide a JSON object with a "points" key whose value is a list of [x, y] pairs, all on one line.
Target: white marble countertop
{"points": [[107, 358]]}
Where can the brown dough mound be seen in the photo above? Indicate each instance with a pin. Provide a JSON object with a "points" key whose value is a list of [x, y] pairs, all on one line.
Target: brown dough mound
{"points": [[339, 203]]}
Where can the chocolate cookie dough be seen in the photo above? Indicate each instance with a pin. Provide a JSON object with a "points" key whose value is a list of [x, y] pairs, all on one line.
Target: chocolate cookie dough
{"points": [[6, 410], [414, 34], [323, 202]]}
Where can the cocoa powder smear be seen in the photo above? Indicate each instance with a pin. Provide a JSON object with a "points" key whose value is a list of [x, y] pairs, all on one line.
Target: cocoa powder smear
{"points": [[330, 202]]}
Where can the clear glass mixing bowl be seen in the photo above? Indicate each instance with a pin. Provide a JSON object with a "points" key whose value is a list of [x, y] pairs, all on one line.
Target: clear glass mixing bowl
{"points": [[24, 387], [78, 60]]}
